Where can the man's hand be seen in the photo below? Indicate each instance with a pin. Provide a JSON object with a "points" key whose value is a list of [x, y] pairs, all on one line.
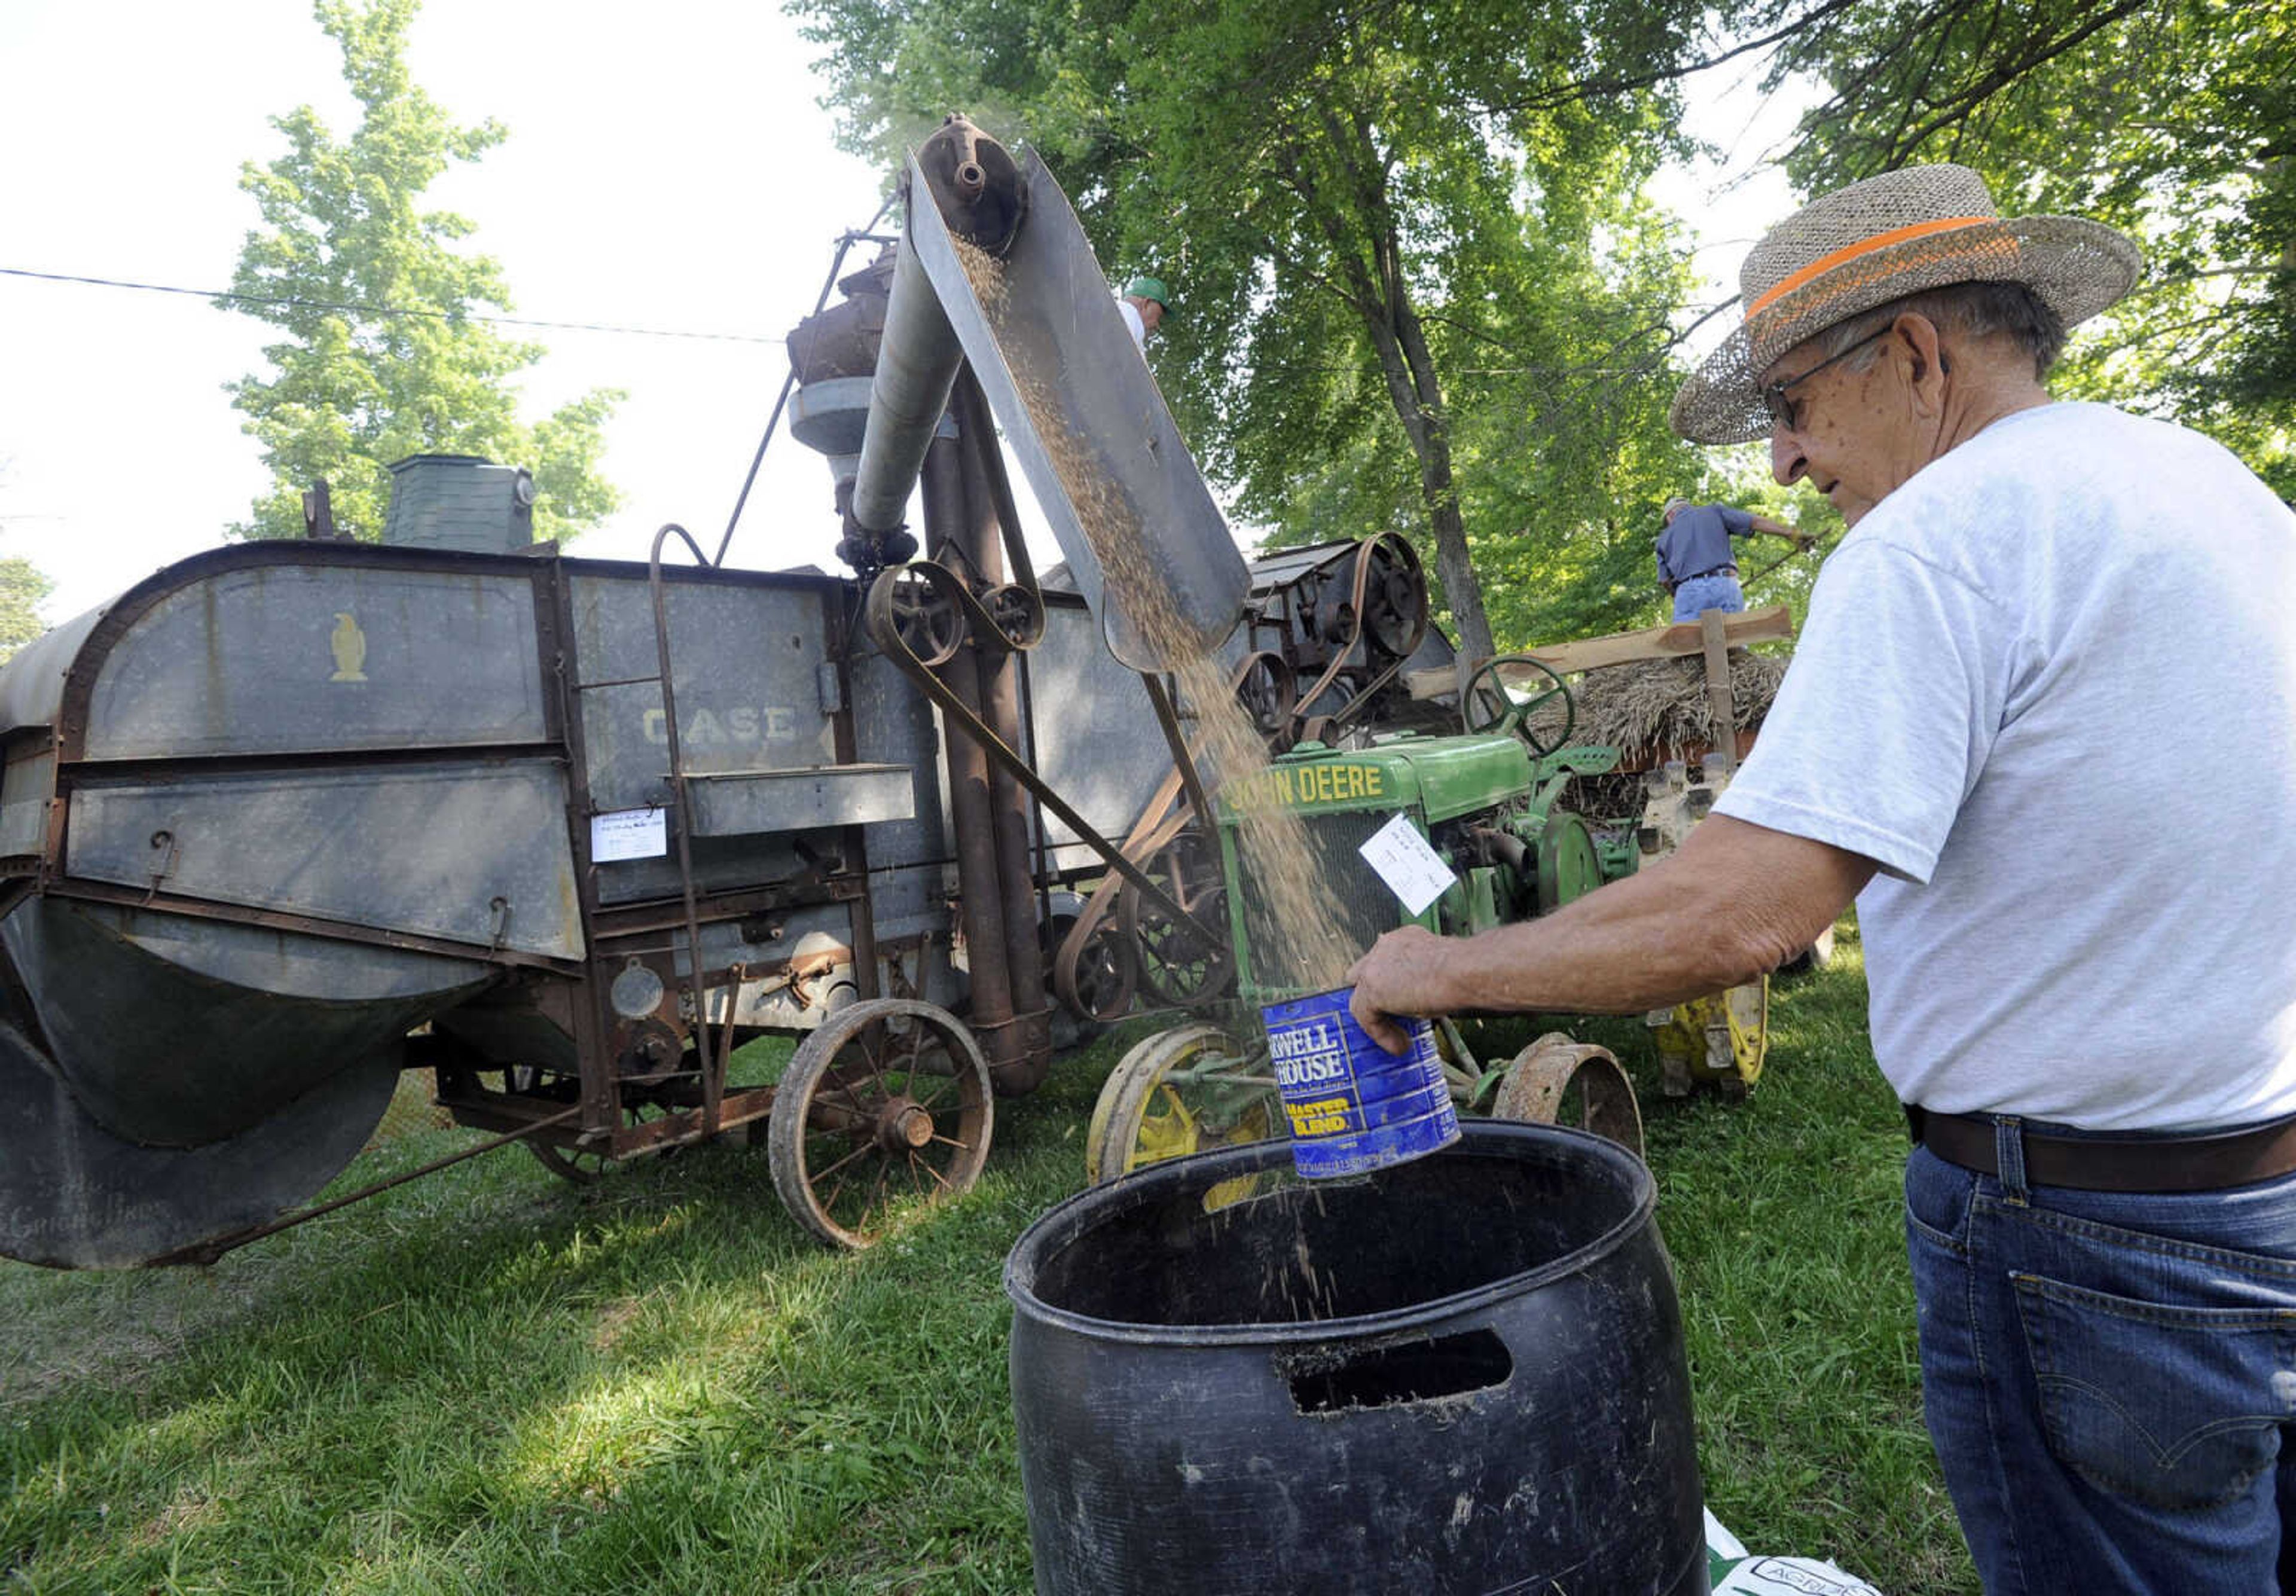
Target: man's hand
{"points": [[1399, 976], [1804, 539]]}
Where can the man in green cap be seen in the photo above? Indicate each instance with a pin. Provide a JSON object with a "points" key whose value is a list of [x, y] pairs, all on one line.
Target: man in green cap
{"points": [[1142, 303]]}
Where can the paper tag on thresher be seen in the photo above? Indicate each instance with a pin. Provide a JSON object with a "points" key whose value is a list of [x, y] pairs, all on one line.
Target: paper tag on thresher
{"points": [[1413, 870], [628, 833]]}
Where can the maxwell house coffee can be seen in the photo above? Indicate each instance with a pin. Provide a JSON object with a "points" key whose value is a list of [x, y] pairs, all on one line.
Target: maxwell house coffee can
{"points": [[1352, 1105]]}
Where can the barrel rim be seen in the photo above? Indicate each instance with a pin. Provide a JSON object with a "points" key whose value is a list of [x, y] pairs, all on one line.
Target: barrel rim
{"points": [[1066, 1220]]}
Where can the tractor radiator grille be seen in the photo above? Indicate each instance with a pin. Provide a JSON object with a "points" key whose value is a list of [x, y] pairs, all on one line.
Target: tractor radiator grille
{"points": [[1360, 902]]}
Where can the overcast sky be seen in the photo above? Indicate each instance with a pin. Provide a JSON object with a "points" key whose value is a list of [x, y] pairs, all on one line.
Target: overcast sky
{"points": [[666, 168]]}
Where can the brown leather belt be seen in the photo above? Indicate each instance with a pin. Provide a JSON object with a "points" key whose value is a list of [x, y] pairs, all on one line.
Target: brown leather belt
{"points": [[2203, 1162]]}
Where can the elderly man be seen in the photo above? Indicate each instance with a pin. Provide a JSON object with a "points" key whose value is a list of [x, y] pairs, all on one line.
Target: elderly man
{"points": [[2083, 973], [1695, 565]]}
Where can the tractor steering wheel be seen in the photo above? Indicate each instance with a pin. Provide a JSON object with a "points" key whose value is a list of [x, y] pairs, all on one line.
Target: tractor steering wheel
{"points": [[1486, 705]]}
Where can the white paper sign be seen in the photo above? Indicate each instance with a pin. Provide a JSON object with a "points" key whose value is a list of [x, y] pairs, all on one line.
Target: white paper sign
{"points": [[628, 833], [1415, 871]]}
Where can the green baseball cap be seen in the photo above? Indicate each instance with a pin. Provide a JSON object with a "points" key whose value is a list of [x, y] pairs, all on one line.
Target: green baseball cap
{"points": [[1149, 288]]}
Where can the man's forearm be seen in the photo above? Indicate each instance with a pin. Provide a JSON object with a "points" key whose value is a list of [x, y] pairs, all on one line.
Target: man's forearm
{"points": [[1637, 944], [1737, 899]]}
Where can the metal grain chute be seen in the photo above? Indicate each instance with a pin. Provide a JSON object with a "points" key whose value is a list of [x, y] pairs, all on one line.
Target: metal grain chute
{"points": [[1032, 312]]}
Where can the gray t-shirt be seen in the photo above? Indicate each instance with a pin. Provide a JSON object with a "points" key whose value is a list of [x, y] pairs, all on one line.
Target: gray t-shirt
{"points": [[1697, 541], [2049, 684]]}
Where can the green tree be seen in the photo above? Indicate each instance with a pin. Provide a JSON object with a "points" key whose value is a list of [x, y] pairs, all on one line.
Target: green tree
{"points": [[22, 586], [2172, 119], [1406, 298], [383, 357]]}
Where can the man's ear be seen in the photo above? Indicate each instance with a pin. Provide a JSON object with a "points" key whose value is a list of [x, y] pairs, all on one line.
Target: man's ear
{"points": [[1916, 338]]}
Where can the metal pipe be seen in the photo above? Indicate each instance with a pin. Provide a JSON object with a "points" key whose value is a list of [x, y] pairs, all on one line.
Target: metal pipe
{"points": [[915, 367], [971, 187], [683, 800], [1029, 1054], [979, 894]]}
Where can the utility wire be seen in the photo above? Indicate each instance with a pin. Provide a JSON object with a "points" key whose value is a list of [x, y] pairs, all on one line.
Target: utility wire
{"points": [[505, 321]]}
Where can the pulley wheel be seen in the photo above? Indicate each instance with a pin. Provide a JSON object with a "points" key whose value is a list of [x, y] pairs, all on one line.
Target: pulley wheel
{"points": [[1395, 596], [1568, 867], [1269, 691], [917, 608]]}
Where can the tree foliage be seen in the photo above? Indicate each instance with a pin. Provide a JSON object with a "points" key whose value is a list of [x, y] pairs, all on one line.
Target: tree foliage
{"points": [[1406, 297], [2172, 119], [382, 359], [22, 586]]}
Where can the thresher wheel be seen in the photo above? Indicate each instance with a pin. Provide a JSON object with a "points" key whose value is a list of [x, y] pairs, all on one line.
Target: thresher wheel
{"points": [[1144, 1116], [1723, 1038], [583, 1166], [1557, 1081], [886, 1106], [1486, 705]]}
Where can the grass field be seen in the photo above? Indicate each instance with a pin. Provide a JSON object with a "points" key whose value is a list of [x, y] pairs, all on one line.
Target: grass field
{"points": [[491, 1381]]}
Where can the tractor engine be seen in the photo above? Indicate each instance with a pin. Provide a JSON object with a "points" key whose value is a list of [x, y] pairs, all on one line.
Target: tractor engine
{"points": [[1484, 805]]}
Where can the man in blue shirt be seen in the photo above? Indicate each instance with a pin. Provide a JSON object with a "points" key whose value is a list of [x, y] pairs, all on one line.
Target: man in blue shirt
{"points": [[1695, 560]]}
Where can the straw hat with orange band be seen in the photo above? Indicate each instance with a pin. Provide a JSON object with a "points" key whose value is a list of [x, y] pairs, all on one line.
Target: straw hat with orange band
{"points": [[1899, 234]]}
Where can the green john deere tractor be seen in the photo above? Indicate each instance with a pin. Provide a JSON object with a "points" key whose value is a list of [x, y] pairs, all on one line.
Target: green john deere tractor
{"points": [[1488, 804]]}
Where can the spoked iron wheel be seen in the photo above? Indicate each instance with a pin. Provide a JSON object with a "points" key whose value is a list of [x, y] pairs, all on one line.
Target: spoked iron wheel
{"points": [[884, 1107], [1183, 966], [580, 1166]]}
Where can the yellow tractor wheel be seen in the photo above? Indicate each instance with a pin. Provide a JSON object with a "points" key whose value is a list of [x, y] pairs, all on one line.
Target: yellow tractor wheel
{"points": [[1170, 1097], [1722, 1037]]}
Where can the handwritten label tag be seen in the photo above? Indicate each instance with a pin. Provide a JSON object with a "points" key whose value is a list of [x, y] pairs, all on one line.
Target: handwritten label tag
{"points": [[1413, 871], [628, 833]]}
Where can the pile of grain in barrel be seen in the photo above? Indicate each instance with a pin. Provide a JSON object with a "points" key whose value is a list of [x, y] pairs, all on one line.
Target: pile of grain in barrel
{"points": [[1311, 951]]}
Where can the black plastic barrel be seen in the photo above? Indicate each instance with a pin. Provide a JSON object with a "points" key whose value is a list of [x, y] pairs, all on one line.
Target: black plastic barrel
{"points": [[1464, 1373]]}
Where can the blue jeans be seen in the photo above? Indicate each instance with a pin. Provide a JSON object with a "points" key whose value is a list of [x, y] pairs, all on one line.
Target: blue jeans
{"points": [[2109, 1377], [1695, 593]]}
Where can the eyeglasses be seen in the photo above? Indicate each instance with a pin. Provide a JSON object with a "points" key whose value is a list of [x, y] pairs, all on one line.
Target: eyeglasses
{"points": [[1773, 394]]}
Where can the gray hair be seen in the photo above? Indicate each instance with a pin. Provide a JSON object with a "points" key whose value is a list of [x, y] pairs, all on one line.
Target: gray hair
{"points": [[1971, 310]]}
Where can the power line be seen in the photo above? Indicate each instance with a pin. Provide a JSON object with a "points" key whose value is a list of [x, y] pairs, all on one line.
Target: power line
{"points": [[505, 321]]}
